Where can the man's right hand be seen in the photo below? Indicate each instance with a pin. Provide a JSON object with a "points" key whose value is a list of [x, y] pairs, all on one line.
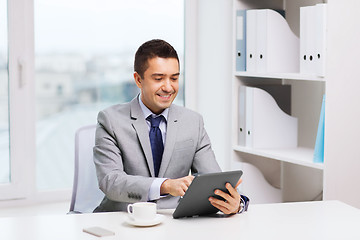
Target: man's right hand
{"points": [[176, 187]]}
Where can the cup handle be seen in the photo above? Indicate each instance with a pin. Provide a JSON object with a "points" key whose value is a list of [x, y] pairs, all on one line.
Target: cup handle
{"points": [[130, 209]]}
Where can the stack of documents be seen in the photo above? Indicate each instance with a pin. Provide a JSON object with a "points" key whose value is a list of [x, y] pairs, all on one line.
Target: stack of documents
{"points": [[262, 123], [313, 39]]}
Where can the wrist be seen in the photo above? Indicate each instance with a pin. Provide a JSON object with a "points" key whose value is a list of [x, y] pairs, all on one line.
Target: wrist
{"points": [[164, 188], [240, 207]]}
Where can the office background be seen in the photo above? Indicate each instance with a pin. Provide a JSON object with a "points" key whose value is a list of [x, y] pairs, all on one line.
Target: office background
{"points": [[208, 55]]}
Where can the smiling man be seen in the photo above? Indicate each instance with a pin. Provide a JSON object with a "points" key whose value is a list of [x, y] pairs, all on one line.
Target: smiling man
{"points": [[145, 149]]}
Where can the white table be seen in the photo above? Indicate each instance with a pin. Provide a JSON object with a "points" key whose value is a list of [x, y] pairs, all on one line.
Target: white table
{"points": [[308, 220]]}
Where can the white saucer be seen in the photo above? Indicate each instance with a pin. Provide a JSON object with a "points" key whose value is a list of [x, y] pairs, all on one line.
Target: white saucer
{"points": [[158, 219]]}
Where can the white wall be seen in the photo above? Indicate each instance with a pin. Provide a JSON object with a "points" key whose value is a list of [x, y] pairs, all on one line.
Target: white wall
{"points": [[214, 51], [342, 154]]}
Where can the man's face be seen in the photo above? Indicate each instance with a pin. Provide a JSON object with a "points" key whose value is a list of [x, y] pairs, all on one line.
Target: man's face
{"points": [[160, 84]]}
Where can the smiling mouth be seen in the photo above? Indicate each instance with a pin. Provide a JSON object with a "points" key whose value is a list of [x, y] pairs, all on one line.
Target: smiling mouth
{"points": [[167, 96]]}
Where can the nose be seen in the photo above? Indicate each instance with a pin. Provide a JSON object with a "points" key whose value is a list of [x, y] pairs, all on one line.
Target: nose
{"points": [[167, 87]]}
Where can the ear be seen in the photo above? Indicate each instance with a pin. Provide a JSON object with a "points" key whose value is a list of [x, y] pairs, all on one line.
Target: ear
{"points": [[137, 79]]}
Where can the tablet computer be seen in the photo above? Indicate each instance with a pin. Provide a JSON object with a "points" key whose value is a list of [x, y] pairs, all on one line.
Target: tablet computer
{"points": [[195, 202]]}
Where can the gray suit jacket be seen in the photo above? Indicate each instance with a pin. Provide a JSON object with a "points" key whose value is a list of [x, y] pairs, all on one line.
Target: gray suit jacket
{"points": [[123, 157]]}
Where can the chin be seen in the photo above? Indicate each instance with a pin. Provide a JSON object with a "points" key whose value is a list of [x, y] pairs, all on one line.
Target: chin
{"points": [[164, 105]]}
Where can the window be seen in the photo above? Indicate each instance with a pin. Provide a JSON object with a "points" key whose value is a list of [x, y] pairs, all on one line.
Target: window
{"points": [[4, 97], [84, 53]]}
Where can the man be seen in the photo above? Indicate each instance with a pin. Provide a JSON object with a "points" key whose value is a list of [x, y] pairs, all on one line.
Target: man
{"points": [[145, 149]]}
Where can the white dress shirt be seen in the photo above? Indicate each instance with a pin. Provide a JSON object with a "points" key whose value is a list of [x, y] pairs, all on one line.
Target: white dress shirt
{"points": [[154, 191]]}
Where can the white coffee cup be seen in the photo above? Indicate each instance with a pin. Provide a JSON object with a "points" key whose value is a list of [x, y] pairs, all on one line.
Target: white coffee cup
{"points": [[142, 211]]}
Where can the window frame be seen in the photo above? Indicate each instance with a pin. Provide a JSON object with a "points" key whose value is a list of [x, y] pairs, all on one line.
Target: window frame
{"points": [[21, 92]]}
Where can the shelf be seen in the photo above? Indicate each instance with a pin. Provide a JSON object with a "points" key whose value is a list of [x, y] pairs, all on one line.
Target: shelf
{"points": [[293, 76], [300, 156]]}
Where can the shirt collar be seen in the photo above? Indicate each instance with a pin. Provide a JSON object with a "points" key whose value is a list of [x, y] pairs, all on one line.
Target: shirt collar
{"points": [[148, 112]]}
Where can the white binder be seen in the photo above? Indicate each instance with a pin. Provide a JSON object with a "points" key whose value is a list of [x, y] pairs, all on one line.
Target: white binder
{"points": [[267, 125], [311, 39], [262, 40], [242, 120], [277, 47], [251, 40], [304, 35], [320, 43], [249, 116]]}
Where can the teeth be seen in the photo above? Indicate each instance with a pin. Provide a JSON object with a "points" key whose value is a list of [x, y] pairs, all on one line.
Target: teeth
{"points": [[165, 96]]}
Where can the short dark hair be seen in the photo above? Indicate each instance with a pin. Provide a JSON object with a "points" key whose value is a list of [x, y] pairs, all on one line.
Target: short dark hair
{"points": [[151, 49]]}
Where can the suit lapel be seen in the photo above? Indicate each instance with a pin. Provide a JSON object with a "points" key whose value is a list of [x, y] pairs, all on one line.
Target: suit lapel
{"points": [[139, 124], [171, 132]]}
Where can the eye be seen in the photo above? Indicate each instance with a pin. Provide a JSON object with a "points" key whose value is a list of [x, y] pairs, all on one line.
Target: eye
{"points": [[158, 79], [174, 78]]}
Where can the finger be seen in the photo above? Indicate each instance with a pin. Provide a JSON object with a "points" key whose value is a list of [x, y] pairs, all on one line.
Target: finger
{"points": [[182, 192], [220, 207], [220, 193], [187, 182], [179, 189], [185, 187], [232, 191], [225, 207], [235, 203], [219, 202], [232, 202], [189, 178]]}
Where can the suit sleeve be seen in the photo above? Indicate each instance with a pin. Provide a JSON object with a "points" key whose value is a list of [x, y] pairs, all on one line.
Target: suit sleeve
{"points": [[108, 159], [204, 158]]}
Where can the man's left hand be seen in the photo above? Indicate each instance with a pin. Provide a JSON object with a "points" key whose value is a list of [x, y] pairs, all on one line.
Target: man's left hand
{"points": [[232, 200]]}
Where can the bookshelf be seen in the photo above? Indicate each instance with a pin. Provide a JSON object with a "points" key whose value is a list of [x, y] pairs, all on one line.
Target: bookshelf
{"points": [[217, 91], [307, 90], [292, 171]]}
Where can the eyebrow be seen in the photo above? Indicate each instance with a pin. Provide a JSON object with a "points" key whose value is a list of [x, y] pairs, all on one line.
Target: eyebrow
{"points": [[161, 74]]}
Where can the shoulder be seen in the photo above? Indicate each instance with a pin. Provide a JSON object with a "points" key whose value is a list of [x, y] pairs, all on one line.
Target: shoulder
{"points": [[117, 108], [117, 111]]}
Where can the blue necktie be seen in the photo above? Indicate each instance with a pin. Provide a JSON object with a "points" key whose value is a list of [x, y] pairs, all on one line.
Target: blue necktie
{"points": [[157, 146]]}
